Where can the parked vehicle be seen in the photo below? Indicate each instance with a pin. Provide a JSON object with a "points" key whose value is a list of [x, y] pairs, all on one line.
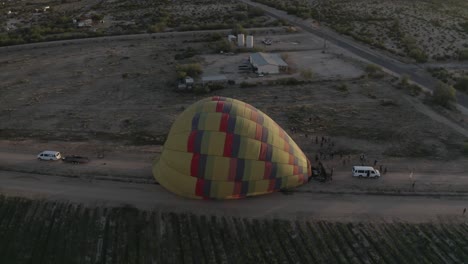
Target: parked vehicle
{"points": [[75, 159], [49, 155], [365, 171], [267, 41]]}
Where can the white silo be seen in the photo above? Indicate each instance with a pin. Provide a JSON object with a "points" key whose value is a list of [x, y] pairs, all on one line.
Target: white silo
{"points": [[249, 42], [240, 40]]}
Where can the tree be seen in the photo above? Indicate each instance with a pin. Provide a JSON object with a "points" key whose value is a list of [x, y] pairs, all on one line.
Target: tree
{"points": [[238, 29], [444, 95], [192, 70]]}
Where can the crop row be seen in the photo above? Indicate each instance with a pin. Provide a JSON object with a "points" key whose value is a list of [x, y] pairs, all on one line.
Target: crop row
{"points": [[51, 232]]}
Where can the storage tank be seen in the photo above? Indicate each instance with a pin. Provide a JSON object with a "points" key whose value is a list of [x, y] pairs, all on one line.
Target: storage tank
{"points": [[249, 42], [240, 40]]}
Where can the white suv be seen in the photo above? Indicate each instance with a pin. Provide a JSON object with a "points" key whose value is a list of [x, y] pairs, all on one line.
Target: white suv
{"points": [[49, 155]]}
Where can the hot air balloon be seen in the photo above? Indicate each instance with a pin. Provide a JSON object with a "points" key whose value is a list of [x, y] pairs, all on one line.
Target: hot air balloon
{"points": [[222, 148]]}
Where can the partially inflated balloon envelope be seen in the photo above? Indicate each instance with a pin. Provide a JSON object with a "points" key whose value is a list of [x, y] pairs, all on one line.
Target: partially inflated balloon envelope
{"points": [[222, 148]]}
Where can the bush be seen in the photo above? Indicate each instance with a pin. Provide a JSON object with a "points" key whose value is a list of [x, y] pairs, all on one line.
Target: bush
{"points": [[465, 148], [307, 74], [199, 89], [188, 53], [414, 89], [159, 27], [342, 87], [404, 80], [463, 54], [374, 71], [246, 84], [462, 84], [215, 86], [418, 54], [444, 95], [223, 45], [192, 70], [238, 29]]}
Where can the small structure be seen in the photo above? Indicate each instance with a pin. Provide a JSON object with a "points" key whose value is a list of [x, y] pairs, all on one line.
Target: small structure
{"points": [[240, 40], [249, 42], [214, 79], [231, 38], [185, 84], [85, 23], [267, 63]]}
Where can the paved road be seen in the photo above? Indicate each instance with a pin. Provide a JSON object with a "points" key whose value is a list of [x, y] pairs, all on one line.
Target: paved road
{"points": [[297, 205], [416, 73]]}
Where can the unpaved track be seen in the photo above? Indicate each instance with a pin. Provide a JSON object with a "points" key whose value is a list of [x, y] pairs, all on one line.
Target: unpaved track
{"points": [[297, 205]]}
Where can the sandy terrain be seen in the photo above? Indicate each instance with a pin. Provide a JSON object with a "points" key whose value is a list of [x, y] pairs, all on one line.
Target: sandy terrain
{"points": [[306, 205]]}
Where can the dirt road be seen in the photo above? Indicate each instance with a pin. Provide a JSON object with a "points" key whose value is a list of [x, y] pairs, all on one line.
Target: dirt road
{"points": [[297, 205]]}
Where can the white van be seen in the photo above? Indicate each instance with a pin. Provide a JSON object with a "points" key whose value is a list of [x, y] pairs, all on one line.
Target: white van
{"points": [[365, 171], [49, 155]]}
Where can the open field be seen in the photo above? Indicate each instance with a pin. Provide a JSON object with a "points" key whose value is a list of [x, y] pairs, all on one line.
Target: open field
{"points": [[421, 30], [123, 91], [29, 21], [53, 232]]}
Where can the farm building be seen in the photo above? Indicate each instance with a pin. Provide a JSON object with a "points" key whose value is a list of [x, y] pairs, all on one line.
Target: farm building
{"points": [[268, 63], [221, 79]]}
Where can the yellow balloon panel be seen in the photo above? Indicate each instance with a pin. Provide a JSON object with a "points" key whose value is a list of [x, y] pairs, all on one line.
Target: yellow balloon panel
{"points": [[222, 148]]}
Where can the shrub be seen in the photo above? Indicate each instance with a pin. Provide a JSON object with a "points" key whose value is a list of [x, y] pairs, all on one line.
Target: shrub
{"points": [[223, 45], [158, 27], [200, 89], [246, 84], [215, 86], [464, 26], [342, 87], [444, 95], [307, 74], [414, 89], [238, 29], [193, 69], [404, 81], [462, 84], [465, 148], [374, 71], [418, 54], [463, 54]]}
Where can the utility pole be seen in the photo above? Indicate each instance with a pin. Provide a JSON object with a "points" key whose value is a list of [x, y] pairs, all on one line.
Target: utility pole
{"points": [[318, 6]]}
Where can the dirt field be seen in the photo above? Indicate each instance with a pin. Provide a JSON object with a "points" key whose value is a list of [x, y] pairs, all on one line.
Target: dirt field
{"points": [[123, 91], [42, 232]]}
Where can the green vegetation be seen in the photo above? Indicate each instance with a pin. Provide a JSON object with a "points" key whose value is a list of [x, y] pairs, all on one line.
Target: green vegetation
{"points": [[463, 54], [374, 71], [465, 148], [464, 26], [193, 70], [441, 73], [413, 50], [342, 87], [247, 85], [462, 84], [186, 53], [51, 232], [307, 74], [444, 95], [404, 81]]}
